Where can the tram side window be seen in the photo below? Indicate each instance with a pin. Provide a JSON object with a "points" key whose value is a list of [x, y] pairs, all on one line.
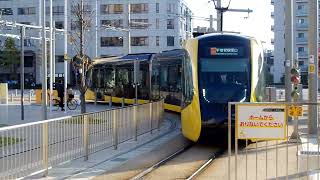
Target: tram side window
{"points": [[187, 81], [109, 78], [96, 78]]}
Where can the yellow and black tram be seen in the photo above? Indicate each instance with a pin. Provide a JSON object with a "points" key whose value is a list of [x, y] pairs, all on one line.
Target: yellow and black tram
{"points": [[220, 68], [159, 76]]}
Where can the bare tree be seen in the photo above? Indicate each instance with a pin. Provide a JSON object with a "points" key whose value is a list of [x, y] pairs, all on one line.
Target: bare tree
{"points": [[81, 23]]}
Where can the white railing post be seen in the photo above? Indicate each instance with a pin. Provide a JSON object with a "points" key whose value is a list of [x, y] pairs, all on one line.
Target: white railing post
{"points": [[95, 98], [45, 146], [30, 97], [159, 107], [86, 137], [150, 116], [110, 101], [115, 128], [135, 123]]}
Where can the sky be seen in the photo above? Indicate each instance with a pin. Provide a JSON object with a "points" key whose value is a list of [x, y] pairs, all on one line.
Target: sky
{"points": [[257, 24]]}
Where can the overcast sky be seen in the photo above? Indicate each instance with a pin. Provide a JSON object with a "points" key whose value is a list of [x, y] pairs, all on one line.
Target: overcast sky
{"points": [[257, 24]]}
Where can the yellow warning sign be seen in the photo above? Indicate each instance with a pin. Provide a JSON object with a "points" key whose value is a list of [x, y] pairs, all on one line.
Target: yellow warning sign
{"points": [[312, 68], [295, 111]]}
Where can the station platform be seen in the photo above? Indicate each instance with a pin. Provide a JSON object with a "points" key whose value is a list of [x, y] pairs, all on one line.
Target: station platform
{"points": [[266, 160], [109, 158]]}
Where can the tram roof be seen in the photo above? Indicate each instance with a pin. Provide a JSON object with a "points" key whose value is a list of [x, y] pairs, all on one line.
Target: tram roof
{"points": [[225, 34], [129, 57]]}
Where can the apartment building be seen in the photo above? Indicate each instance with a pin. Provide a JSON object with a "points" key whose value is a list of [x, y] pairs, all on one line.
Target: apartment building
{"points": [[118, 27], [300, 12]]}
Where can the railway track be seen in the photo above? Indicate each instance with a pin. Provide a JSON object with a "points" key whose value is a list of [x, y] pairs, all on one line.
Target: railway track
{"points": [[148, 173], [205, 165]]}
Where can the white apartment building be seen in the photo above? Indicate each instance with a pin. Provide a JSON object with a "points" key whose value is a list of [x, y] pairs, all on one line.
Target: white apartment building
{"points": [[154, 25], [300, 11]]}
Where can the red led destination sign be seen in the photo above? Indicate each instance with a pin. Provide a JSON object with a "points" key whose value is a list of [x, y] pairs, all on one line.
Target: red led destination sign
{"points": [[214, 51]]}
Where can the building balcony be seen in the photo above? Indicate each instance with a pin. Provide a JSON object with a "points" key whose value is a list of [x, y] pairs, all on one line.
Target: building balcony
{"points": [[301, 13], [301, 40], [303, 26], [303, 54]]}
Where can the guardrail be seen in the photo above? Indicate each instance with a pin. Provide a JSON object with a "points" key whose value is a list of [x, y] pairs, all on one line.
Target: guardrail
{"points": [[279, 149], [34, 147]]}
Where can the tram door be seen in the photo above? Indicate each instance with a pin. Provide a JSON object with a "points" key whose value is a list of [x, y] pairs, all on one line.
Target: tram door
{"points": [[170, 82]]}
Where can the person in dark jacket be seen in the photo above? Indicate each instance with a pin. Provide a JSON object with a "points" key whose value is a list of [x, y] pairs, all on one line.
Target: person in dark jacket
{"points": [[60, 89]]}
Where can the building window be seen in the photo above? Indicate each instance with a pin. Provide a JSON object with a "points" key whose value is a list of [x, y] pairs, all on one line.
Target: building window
{"points": [[28, 61], [300, 35], [86, 8], [6, 11], [300, 49], [60, 58], [139, 23], [56, 10], [301, 21], [139, 41], [170, 24], [111, 41], [300, 7], [26, 11], [59, 24], [157, 41], [27, 43], [139, 8], [170, 41], [111, 9], [301, 63], [170, 8], [157, 23], [118, 23], [157, 8]]}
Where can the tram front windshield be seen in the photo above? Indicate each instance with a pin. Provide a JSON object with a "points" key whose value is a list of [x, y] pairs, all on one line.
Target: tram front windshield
{"points": [[224, 79]]}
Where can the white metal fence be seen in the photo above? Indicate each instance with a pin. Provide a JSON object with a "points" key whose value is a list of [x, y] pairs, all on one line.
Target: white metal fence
{"points": [[297, 156], [35, 147]]}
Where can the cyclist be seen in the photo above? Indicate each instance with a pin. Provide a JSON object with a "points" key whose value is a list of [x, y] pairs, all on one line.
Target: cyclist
{"points": [[70, 93], [60, 89]]}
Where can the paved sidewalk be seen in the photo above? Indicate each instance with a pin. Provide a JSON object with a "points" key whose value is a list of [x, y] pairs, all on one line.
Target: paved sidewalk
{"points": [[11, 114], [109, 158]]}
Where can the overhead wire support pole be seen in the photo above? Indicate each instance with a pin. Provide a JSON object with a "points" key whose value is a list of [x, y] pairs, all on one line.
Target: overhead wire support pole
{"points": [[313, 65], [44, 63], [129, 26], [54, 53], [51, 56], [96, 33], [288, 49], [65, 63], [22, 31], [220, 10]]}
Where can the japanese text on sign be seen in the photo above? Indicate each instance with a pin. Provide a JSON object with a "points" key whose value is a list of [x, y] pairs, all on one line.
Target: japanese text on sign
{"points": [[262, 121]]}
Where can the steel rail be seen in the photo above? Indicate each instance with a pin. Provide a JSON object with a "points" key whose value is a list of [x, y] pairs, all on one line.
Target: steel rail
{"points": [[205, 165], [160, 163]]}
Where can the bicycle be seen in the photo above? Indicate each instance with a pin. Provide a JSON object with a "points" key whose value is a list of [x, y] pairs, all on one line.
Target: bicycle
{"points": [[72, 103]]}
